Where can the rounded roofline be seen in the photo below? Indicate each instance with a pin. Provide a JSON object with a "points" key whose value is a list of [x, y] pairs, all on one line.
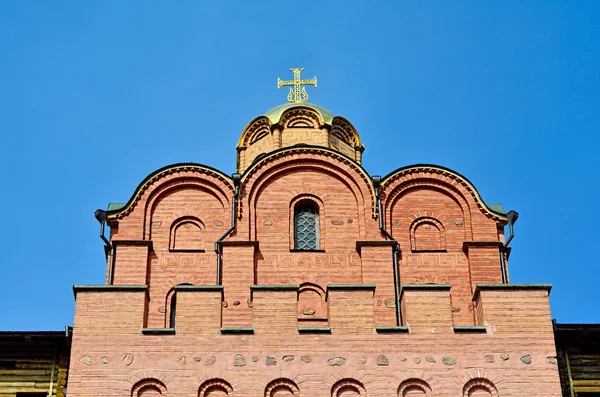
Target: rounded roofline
{"points": [[498, 211], [274, 114], [118, 208]]}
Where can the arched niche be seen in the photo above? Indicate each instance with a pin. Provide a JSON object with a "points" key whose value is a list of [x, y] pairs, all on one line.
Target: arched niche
{"points": [[311, 303], [282, 387], [348, 387], [414, 388], [186, 234], [427, 234], [480, 387], [148, 387], [215, 388], [171, 307]]}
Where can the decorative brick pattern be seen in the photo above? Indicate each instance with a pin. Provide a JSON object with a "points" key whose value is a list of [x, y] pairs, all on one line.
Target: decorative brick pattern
{"points": [[287, 323]]}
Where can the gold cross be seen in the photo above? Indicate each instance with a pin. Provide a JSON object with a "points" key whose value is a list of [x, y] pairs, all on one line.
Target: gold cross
{"points": [[297, 94]]}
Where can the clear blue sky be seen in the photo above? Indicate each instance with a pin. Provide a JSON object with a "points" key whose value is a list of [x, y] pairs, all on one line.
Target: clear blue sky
{"points": [[94, 96]]}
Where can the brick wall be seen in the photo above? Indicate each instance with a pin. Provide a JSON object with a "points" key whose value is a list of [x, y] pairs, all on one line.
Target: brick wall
{"points": [[288, 322]]}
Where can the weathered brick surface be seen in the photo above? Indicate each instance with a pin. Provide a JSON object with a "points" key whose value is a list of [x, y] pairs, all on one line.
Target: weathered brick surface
{"points": [[240, 341]]}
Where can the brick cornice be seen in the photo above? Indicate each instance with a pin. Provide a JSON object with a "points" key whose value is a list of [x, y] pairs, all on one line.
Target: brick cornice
{"points": [[510, 287], [108, 288]]}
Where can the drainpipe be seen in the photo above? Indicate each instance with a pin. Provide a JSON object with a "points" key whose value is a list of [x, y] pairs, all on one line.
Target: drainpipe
{"points": [[512, 218], [395, 251], [101, 217], [236, 183]]}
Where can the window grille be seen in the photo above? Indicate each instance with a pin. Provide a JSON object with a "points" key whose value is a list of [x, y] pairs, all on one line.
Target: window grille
{"points": [[306, 228]]}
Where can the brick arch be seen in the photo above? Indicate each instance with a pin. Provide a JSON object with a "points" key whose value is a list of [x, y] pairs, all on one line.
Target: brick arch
{"points": [[172, 186], [215, 178], [414, 387], [348, 387], [306, 301], [393, 192], [343, 129], [254, 129], [299, 116], [480, 387], [175, 232], [322, 160], [145, 385], [443, 177], [440, 234], [170, 304], [318, 203], [281, 387], [215, 386]]}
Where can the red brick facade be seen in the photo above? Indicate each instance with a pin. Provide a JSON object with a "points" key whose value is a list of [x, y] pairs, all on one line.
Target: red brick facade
{"points": [[257, 317]]}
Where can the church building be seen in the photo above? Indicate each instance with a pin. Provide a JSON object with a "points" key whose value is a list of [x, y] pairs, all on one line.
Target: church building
{"points": [[304, 274]]}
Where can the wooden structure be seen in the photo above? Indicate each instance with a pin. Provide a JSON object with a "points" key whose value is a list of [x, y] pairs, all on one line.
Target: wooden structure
{"points": [[578, 350], [34, 364]]}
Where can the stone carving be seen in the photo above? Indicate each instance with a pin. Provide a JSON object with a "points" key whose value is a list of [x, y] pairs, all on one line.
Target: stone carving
{"points": [[396, 223], [362, 361], [488, 358], [383, 361], [350, 220], [254, 359], [336, 361], [128, 359], [236, 303], [250, 304], [268, 222], [239, 360], [308, 311], [337, 222], [86, 360], [162, 309], [403, 359], [455, 309], [104, 360], [288, 358], [379, 302], [448, 361], [417, 360], [197, 359], [526, 359], [182, 360], [551, 360], [429, 359], [458, 222], [211, 360], [306, 359], [218, 223], [225, 304], [156, 223], [390, 303], [504, 357], [270, 361]]}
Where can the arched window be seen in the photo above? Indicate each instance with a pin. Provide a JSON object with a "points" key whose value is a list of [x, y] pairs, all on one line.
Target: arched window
{"points": [[306, 226]]}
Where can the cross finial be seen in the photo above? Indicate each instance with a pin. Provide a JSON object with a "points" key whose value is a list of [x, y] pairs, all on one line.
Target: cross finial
{"points": [[297, 93]]}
